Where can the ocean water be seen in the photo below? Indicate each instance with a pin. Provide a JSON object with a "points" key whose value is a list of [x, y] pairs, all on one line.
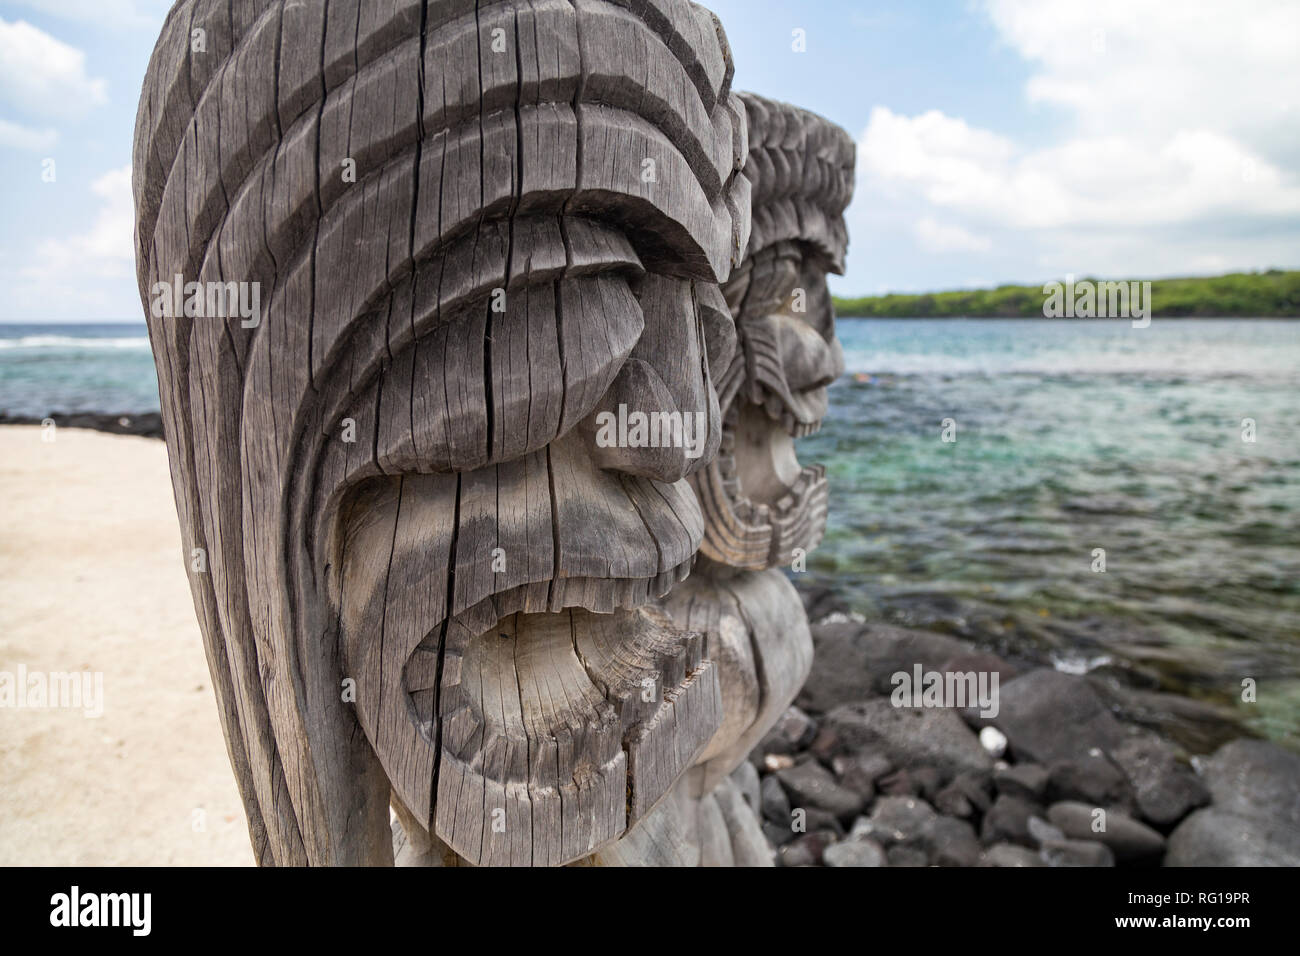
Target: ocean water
{"points": [[1070, 436], [76, 368], [1073, 436]]}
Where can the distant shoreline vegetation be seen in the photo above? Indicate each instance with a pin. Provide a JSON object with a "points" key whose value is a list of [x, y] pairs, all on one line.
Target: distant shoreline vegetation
{"points": [[1271, 294]]}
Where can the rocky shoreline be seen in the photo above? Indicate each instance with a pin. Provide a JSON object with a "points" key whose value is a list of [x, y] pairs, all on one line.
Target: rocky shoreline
{"points": [[144, 424], [1073, 770]]}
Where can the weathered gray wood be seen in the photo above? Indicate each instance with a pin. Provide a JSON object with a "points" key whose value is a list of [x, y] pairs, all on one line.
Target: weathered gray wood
{"points": [[460, 260], [760, 505], [771, 619], [762, 509], [667, 837], [749, 847]]}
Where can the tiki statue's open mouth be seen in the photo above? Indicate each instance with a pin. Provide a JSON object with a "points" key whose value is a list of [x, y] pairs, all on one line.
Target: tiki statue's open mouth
{"points": [[762, 505]]}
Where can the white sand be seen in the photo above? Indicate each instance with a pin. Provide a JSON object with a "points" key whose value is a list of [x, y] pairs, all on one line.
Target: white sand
{"points": [[91, 579]]}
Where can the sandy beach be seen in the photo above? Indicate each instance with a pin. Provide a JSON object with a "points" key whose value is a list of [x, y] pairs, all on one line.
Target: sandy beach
{"points": [[91, 580]]}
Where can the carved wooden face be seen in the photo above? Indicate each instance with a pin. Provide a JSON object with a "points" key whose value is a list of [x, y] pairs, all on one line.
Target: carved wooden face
{"points": [[489, 583], [760, 503], [761, 506], [465, 596], [398, 473]]}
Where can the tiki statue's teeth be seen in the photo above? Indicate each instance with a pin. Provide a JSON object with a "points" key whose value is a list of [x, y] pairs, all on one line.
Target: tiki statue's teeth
{"points": [[758, 464]]}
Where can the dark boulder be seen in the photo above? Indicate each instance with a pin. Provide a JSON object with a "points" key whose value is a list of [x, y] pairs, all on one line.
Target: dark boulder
{"points": [[1128, 839], [1010, 854], [899, 783], [776, 805], [1025, 780], [778, 835], [1051, 717], [1196, 725], [1089, 778], [806, 850], [904, 820], [1007, 821], [1040, 831], [791, 733], [909, 737], [1255, 778], [1164, 788], [854, 660], [861, 771], [861, 852], [951, 802], [952, 842], [809, 784], [814, 819], [907, 856], [968, 793], [1076, 853], [1255, 817], [1214, 837]]}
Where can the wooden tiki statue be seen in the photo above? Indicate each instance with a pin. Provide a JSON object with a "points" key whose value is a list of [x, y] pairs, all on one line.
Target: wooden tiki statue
{"points": [[763, 511], [466, 231]]}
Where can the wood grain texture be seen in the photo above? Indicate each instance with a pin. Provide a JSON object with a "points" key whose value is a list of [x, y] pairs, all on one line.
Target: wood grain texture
{"points": [[761, 506], [460, 259], [762, 509]]}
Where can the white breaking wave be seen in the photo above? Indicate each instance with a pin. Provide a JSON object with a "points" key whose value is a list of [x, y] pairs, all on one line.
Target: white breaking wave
{"points": [[74, 342]]}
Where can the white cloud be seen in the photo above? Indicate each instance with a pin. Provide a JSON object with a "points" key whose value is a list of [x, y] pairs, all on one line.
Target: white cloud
{"points": [[1153, 67], [946, 237], [27, 139], [116, 14], [1181, 121], [40, 74], [947, 159], [105, 250], [1082, 182]]}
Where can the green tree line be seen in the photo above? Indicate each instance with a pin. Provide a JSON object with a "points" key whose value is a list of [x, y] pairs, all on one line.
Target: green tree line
{"points": [[1271, 294]]}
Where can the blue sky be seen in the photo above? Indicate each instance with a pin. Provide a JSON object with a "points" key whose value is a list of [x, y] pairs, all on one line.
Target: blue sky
{"points": [[998, 140]]}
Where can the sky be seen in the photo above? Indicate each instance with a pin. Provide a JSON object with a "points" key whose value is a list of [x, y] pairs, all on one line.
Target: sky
{"points": [[998, 140]]}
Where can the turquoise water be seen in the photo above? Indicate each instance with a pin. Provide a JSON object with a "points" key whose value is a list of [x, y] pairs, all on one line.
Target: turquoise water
{"points": [[97, 367], [1073, 436]]}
